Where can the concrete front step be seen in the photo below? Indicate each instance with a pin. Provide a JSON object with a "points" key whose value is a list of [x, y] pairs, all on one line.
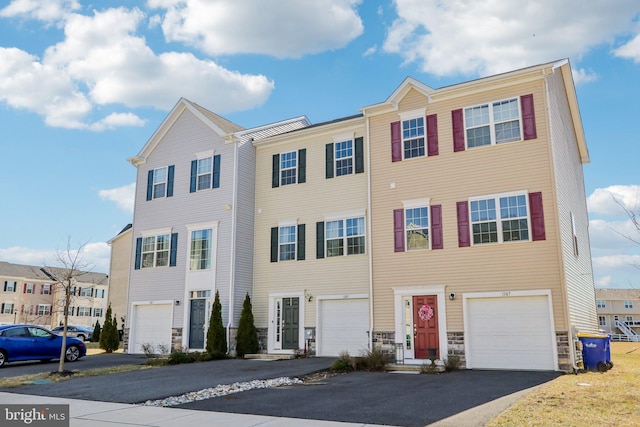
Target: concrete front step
{"points": [[265, 356], [408, 368]]}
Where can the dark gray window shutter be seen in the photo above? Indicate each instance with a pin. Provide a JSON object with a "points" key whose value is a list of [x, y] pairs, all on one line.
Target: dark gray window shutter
{"points": [[138, 253], [301, 241], [194, 176], [320, 239], [150, 185], [274, 244], [329, 161], [302, 165], [275, 171], [5, 286], [216, 171], [173, 252], [360, 155], [170, 181]]}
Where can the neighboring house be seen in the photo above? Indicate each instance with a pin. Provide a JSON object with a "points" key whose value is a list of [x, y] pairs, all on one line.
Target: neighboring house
{"points": [[311, 268], [618, 305], [192, 228], [119, 266], [30, 294], [479, 221], [89, 296]]}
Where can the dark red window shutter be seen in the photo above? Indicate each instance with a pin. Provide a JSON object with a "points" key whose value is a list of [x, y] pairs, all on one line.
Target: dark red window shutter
{"points": [[464, 235], [457, 120], [398, 230], [432, 135], [537, 216], [436, 227], [396, 142], [528, 117]]}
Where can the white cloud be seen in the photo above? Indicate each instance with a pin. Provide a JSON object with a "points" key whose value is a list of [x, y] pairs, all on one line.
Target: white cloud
{"points": [[611, 200], [280, 28], [610, 236], [630, 50], [604, 282], [582, 76], [47, 11], [95, 255], [122, 196], [102, 61], [471, 37]]}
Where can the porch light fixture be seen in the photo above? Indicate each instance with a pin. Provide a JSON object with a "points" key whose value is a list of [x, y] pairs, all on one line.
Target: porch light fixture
{"points": [[452, 296]]}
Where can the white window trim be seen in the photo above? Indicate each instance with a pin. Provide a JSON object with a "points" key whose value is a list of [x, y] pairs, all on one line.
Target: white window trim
{"points": [[155, 252], [345, 237], [404, 226], [413, 114], [8, 306], [154, 183], [204, 154], [44, 307], [280, 168], [344, 215], [352, 157], [295, 242], [156, 232], [417, 203], [492, 123], [198, 175], [499, 220], [410, 115], [344, 137]]}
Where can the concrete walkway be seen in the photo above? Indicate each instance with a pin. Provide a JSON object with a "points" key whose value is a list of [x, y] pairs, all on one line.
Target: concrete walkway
{"points": [[86, 413]]}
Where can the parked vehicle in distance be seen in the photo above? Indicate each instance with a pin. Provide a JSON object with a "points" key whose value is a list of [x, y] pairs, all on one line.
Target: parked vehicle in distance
{"points": [[31, 342], [81, 332]]}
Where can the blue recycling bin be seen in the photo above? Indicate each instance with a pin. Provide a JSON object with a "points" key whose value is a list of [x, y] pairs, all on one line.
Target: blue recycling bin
{"points": [[596, 352]]}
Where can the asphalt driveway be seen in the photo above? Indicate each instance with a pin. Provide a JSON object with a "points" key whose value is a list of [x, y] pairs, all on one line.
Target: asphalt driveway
{"points": [[361, 397]]}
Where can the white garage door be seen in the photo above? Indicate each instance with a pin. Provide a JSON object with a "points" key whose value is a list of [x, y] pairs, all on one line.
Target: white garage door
{"points": [[151, 325], [510, 333], [343, 326]]}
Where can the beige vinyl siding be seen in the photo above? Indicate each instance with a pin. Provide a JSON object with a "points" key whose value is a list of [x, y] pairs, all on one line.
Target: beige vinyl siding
{"points": [[571, 200], [121, 247], [453, 177], [187, 136], [306, 203]]}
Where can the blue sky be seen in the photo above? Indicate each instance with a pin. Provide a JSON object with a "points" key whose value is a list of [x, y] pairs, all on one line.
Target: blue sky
{"points": [[83, 85]]}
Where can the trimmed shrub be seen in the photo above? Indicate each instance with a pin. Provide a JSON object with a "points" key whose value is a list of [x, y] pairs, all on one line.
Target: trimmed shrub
{"points": [[247, 337], [216, 336]]}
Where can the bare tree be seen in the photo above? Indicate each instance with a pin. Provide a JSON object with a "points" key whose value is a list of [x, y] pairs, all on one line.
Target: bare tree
{"points": [[633, 213], [72, 265]]}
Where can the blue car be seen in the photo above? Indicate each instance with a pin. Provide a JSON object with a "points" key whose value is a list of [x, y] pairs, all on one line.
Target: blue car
{"points": [[31, 342]]}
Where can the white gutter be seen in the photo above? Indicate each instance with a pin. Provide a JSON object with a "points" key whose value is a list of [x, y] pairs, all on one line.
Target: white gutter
{"points": [[369, 240], [232, 258]]}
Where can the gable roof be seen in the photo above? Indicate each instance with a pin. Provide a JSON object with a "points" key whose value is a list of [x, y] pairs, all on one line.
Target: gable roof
{"points": [[127, 228], [32, 272], [218, 124], [533, 73]]}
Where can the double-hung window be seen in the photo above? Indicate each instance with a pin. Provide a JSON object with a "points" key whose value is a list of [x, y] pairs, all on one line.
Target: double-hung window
{"points": [[159, 182], [287, 243], [29, 288], [10, 286], [86, 292], [205, 172], [44, 309], [344, 157], [45, 289], [97, 312], [628, 304], [288, 168], [601, 304], [7, 308], [417, 228], [200, 256], [84, 312], [602, 321], [346, 233], [493, 123], [413, 138], [155, 251], [498, 219]]}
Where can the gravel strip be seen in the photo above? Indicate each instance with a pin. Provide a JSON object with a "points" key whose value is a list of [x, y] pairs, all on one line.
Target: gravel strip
{"points": [[223, 390]]}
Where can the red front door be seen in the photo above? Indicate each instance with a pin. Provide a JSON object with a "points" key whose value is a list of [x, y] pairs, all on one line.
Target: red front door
{"points": [[425, 327]]}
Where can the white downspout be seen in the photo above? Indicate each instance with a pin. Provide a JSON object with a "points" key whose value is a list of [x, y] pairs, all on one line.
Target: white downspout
{"points": [[369, 240], [232, 258]]}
